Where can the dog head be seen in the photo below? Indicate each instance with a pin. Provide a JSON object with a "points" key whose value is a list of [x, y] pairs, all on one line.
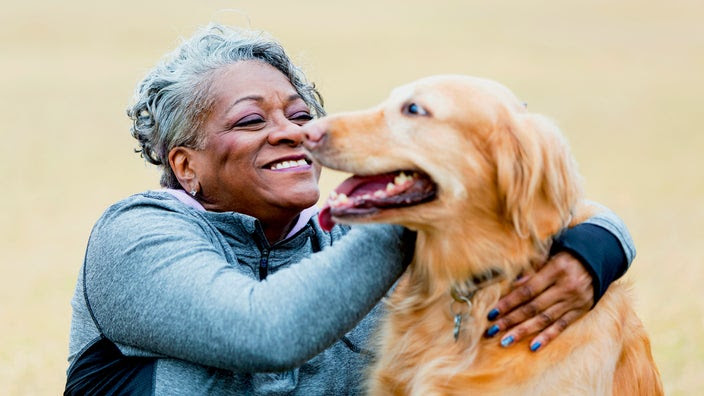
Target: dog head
{"points": [[463, 149]]}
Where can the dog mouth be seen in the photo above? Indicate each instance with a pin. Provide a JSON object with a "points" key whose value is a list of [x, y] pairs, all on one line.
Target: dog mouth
{"points": [[361, 196]]}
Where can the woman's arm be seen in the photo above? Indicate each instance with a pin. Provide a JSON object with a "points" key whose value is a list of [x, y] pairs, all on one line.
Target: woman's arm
{"points": [[154, 281], [584, 261]]}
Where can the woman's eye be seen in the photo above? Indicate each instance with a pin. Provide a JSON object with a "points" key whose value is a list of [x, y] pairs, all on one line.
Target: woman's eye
{"points": [[301, 116], [415, 109], [249, 120]]}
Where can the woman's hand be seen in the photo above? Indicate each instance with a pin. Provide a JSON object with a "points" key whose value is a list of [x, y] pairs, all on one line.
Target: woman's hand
{"points": [[547, 302]]}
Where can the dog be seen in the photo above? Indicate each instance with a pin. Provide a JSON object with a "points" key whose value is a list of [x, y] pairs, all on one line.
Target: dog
{"points": [[486, 185]]}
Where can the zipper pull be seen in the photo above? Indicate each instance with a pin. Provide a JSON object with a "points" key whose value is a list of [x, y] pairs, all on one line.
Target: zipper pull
{"points": [[264, 264]]}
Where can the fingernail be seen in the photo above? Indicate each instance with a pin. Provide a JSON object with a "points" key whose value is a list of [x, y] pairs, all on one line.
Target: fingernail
{"points": [[507, 341], [492, 331], [535, 346], [493, 314]]}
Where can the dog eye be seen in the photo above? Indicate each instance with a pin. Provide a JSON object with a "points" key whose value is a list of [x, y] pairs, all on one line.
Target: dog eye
{"points": [[415, 109]]}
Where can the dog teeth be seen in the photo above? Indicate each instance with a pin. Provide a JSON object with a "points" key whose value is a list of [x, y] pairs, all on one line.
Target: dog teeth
{"points": [[402, 178], [336, 199]]}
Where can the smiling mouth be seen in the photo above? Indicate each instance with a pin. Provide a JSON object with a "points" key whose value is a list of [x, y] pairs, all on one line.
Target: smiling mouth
{"points": [[289, 163], [361, 196]]}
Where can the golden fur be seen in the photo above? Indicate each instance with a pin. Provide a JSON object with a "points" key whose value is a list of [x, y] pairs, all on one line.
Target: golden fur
{"points": [[506, 183]]}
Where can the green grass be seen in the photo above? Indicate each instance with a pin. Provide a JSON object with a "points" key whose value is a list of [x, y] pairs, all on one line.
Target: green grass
{"points": [[623, 80]]}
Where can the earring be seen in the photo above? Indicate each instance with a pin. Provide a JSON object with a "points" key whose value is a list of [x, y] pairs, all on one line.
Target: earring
{"points": [[195, 189]]}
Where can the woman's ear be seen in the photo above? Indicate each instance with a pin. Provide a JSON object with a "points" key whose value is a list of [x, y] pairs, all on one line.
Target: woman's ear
{"points": [[181, 162]]}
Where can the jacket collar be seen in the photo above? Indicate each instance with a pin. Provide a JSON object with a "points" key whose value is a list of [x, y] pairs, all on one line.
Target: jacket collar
{"points": [[250, 223]]}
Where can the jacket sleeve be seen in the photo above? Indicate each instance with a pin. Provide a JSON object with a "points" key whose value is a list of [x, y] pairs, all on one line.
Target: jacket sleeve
{"points": [[602, 244], [154, 281]]}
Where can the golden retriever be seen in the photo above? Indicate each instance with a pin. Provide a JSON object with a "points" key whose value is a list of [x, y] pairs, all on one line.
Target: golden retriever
{"points": [[486, 184]]}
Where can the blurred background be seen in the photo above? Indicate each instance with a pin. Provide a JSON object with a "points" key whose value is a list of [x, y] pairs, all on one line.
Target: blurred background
{"points": [[623, 79]]}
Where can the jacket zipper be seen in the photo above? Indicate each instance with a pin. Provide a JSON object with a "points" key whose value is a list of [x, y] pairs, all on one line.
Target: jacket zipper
{"points": [[264, 259], [264, 264]]}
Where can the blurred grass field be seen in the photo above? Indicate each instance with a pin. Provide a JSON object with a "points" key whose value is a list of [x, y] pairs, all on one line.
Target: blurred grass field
{"points": [[624, 80]]}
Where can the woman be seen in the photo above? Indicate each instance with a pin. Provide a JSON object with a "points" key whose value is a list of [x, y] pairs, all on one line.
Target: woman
{"points": [[211, 286]]}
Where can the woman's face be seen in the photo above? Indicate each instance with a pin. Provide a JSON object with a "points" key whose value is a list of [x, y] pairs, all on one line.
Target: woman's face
{"points": [[253, 161]]}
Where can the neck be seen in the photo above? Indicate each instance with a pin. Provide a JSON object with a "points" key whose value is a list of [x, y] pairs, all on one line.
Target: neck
{"points": [[455, 253], [276, 223], [276, 229]]}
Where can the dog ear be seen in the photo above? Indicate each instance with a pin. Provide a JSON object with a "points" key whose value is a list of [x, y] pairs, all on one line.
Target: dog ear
{"points": [[536, 177]]}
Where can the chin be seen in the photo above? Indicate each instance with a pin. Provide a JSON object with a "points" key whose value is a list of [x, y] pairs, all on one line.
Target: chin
{"points": [[302, 198]]}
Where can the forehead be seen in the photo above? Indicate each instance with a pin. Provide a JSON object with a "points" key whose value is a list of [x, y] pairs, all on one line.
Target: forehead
{"points": [[422, 93], [450, 92], [249, 78]]}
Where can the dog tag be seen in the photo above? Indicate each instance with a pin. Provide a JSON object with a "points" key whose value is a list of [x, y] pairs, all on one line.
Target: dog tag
{"points": [[458, 324]]}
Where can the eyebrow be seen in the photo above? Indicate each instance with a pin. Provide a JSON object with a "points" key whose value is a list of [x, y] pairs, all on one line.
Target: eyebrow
{"points": [[258, 98]]}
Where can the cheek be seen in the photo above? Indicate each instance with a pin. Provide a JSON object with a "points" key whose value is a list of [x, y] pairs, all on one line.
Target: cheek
{"points": [[234, 155]]}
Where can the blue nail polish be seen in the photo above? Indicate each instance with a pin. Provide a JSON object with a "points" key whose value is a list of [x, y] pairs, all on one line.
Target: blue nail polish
{"points": [[536, 345], [507, 341], [493, 314], [492, 331]]}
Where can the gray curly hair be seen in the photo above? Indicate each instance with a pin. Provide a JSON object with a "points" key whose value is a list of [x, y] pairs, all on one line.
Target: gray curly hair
{"points": [[172, 100]]}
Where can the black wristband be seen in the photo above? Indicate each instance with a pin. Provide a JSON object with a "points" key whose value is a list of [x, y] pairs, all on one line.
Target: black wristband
{"points": [[598, 250]]}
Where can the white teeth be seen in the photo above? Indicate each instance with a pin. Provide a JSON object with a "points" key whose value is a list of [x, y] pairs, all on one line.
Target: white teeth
{"points": [[402, 178], [289, 164], [338, 199]]}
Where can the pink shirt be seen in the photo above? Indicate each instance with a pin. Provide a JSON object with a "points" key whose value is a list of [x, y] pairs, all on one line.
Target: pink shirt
{"points": [[188, 200]]}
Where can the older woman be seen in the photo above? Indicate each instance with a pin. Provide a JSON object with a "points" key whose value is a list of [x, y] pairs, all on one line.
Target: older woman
{"points": [[223, 282]]}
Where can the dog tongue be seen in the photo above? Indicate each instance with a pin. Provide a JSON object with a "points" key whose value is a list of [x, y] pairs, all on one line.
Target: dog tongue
{"points": [[325, 218], [354, 185]]}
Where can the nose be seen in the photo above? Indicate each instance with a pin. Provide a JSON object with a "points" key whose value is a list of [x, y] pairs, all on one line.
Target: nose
{"points": [[287, 132], [315, 133]]}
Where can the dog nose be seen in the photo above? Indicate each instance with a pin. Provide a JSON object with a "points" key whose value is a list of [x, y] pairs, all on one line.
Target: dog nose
{"points": [[315, 133]]}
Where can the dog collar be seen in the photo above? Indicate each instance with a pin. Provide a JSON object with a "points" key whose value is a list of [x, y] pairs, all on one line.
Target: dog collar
{"points": [[462, 294]]}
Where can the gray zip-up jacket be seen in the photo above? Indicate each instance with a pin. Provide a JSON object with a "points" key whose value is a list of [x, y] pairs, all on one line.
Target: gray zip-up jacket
{"points": [[161, 279], [171, 298]]}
